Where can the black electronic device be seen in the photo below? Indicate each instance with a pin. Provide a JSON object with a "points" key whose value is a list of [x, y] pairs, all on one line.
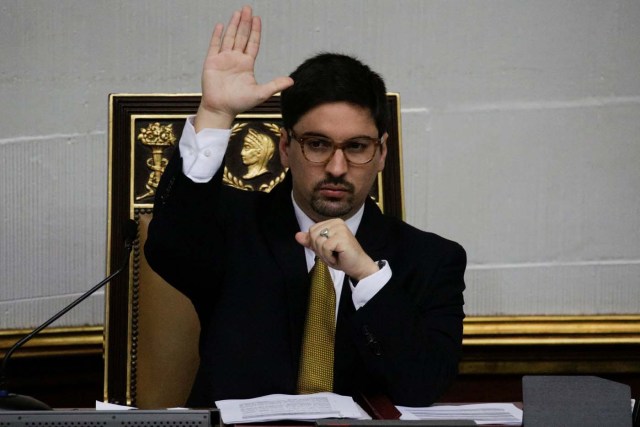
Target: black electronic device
{"points": [[91, 418], [575, 401]]}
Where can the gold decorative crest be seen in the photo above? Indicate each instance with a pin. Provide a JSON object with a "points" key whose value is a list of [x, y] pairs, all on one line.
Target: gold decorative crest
{"points": [[158, 137]]}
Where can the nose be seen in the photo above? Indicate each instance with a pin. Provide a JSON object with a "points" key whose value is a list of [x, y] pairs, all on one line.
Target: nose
{"points": [[337, 165]]}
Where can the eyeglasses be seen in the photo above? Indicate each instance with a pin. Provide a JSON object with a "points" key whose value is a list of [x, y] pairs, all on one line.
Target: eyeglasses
{"points": [[318, 149]]}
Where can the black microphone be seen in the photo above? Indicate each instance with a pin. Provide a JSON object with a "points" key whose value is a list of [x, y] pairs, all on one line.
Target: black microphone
{"points": [[17, 402]]}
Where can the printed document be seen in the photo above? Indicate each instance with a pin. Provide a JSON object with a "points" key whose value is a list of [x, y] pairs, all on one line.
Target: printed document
{"points": [[274, 407], [484, 413]]}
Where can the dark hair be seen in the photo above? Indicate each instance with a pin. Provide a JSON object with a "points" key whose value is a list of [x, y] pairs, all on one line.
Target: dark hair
{"points": [[332, 77]]}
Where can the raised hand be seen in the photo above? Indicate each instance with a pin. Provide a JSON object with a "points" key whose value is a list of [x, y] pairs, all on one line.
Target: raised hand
{"points": [[332, 241], [229, 85]]}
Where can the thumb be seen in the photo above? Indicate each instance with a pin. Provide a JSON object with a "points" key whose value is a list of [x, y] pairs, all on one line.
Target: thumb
{"points": [[303, 238], [274, 86], [281, 83]]}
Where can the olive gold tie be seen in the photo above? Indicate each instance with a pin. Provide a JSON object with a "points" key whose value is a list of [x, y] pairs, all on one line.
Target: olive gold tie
{"points": [[316, 358]]}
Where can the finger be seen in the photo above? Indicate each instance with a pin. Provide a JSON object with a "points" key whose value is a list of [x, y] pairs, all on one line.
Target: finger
{"points": [[303, 238], [280, 83], [244, 30], [216, 40], [232, 28], [324, 246], [329, 254], [316, 243], [265, 91], [253, 44]]}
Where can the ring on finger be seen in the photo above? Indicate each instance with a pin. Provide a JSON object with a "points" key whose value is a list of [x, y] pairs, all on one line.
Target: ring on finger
{"points": [[324, 233]]}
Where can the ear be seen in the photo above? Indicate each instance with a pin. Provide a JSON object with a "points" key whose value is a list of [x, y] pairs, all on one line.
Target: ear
{"points": [[283, 146], [383, 152]]}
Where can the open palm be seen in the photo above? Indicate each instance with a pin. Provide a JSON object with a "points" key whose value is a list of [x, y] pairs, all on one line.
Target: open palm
{"points": [[229, 86]]}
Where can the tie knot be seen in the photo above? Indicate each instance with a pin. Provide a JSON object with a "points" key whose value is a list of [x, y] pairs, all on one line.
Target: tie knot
{"points": [[320, 265]]}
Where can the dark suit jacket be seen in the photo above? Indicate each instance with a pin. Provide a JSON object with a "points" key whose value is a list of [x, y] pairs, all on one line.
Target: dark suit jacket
{"points": [[233, 253]]}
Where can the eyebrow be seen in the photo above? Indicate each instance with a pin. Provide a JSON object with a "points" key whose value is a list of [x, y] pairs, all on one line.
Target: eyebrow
{"points": [[321, 135]]}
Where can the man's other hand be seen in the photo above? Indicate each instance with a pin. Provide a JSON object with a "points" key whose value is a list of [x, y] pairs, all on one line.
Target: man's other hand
{"points": [[332, 241]]}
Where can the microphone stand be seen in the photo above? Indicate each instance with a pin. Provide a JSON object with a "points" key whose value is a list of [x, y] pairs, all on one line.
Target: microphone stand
{"points": [[16, 402]]}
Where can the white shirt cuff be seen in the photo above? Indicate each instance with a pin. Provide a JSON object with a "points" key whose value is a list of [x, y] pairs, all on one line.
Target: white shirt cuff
{"points": [[202, 153], [369, 286]]}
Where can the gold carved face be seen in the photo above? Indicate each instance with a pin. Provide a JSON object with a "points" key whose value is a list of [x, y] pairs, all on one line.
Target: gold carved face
{"points": [[257, 150], [252, 161]]}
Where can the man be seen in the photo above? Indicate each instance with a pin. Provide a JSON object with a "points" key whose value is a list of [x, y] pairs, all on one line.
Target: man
{"points": [[243, 258]]}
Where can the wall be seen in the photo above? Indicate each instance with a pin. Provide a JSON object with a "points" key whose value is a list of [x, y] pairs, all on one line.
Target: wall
{"points": [[521, 124]]}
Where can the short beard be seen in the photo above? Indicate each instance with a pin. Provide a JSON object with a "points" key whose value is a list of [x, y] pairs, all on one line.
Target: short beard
{"points": [[327, 208]]}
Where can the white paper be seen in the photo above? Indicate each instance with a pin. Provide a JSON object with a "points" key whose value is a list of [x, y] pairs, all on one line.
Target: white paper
{"points": [[275, 407], [106, 406], [482, 413]]}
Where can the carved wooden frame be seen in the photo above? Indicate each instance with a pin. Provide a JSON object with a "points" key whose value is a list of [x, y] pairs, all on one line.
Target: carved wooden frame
{"points": [[152, 123]]}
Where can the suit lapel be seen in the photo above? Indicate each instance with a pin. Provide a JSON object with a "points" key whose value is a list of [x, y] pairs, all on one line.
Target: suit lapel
{"points": [[279, 226], [373, 232]]}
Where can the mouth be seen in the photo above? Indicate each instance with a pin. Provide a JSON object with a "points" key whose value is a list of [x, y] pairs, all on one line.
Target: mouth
{"points": [[334, 191]]}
